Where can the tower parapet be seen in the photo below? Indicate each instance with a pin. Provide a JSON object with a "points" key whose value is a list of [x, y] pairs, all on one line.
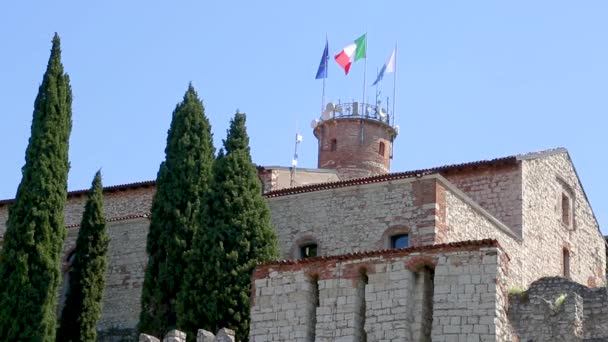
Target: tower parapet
{"points": [[355, 139]]}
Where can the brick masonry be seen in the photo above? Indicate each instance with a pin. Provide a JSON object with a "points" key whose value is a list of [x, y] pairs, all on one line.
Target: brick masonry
{"points": [[357, 146]]}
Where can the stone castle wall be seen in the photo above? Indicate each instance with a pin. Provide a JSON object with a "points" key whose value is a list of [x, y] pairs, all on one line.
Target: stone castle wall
{"points": [[557, 309], [134, 201], [355, 218], [497, 189], [451, 292], [128, 228], [127, 260], [546, 237]]}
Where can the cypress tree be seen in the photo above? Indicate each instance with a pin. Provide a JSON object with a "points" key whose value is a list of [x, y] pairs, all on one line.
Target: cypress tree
{"points": [[87, 276], [236, 236], [181, 182], [35, 228]]}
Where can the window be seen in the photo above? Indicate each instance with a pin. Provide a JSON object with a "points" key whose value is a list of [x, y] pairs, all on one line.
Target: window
{"points": [[400, 241], [334, 145], [308, 251], [566, 262], [566, 210], [381, 149]]}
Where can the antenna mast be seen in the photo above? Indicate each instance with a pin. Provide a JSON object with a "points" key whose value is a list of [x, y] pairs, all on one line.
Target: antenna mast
{"points": [[294, 161]]}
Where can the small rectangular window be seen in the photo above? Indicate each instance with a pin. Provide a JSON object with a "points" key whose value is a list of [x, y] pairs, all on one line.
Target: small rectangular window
{"points": [[308, 251], [566, 262], [334, 145], [566, 210], [381, 149], [400, 241]]}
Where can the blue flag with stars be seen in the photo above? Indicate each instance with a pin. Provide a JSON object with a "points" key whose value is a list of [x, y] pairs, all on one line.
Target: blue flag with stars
{"points": [[322, 71]]}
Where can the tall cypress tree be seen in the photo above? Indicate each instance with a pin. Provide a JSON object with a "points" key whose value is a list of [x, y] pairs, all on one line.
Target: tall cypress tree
{"points": [[87, 277], [236, 236], [35, 229], [181, 182]]}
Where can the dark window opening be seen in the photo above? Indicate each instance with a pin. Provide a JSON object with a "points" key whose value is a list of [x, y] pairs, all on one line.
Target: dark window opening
{"points": [[381, 149], [361, 334], [566, 262], [400, 241], [334, 145], [566, 210], [308, 251]]}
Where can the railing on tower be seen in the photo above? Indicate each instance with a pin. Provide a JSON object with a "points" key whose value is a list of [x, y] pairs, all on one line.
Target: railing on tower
{"points": [[357, 110]]}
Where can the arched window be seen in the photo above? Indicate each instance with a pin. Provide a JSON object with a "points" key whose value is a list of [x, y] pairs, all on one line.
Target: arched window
{"points": [[334, 145], [400, 241], [381, 149], [308, 250]]}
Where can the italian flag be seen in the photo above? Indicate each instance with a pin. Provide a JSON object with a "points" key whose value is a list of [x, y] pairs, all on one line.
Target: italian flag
{"points": [[352, 53]]}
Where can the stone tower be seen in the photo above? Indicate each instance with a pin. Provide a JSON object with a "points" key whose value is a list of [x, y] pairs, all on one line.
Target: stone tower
{"points": [[355, 139]]}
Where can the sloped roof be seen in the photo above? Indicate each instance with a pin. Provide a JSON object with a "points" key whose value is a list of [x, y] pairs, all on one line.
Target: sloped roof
{"points": [[510, 160], [358, 181]]}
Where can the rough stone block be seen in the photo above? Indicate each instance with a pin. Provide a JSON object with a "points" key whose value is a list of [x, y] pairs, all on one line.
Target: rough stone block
{"points": [[204, 336], [224, 335], [175, 336], [147, 338]]}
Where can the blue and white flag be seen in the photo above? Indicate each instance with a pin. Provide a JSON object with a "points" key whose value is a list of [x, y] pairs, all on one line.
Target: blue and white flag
{"points": [[386, 68]]}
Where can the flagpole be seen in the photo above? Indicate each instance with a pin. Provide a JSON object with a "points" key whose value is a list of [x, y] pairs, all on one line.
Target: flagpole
{"points": [[326, 72], [364, 72], [395, 86]]}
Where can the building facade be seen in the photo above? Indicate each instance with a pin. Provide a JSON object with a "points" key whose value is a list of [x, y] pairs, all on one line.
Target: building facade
{"points": [[423, 255]]}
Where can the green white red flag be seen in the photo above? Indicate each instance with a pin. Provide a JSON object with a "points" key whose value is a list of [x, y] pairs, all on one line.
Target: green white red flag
{"points": [[352, 53]]}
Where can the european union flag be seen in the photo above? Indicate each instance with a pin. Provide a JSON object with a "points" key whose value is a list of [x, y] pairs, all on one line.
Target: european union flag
{"points": [[322, 71]]}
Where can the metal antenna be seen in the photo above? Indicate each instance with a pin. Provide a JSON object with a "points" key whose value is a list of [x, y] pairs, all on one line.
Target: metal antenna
{"points": [[294, 161]]}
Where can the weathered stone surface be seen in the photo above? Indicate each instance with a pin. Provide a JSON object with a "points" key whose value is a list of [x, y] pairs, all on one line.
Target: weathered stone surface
{"points": [[204, 336], [175, 336], [321, 300], [557, 309], [225, 335], [147, 338], [469, 203]]}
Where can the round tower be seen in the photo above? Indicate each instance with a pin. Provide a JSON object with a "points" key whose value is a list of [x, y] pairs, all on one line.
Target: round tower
{"points": [[355, 139]]}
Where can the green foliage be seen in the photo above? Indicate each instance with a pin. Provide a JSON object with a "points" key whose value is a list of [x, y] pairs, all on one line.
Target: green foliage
{"points": [[236, 235], [181, 182], [35, 228], [87, 277], [559, 301], [516, 290]]}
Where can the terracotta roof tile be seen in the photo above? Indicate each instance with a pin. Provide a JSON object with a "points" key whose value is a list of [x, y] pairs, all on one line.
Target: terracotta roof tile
{"points": [[390, 176], [113, 188], [389, 252], [114, 219]]}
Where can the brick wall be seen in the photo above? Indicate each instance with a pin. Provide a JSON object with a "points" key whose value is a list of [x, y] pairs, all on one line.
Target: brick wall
{"points": [[357, 147], [464, 294]]}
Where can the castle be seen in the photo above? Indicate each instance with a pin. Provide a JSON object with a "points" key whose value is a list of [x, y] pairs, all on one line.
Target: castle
{"points": [[441, 254]]}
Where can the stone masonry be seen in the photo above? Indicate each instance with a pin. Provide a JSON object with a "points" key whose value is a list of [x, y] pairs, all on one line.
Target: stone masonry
{"points": [[556, 309], [449, 292], [534, 206]]}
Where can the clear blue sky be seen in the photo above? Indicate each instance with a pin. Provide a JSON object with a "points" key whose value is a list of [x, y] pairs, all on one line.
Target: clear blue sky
{"points": [[476, 79]]}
